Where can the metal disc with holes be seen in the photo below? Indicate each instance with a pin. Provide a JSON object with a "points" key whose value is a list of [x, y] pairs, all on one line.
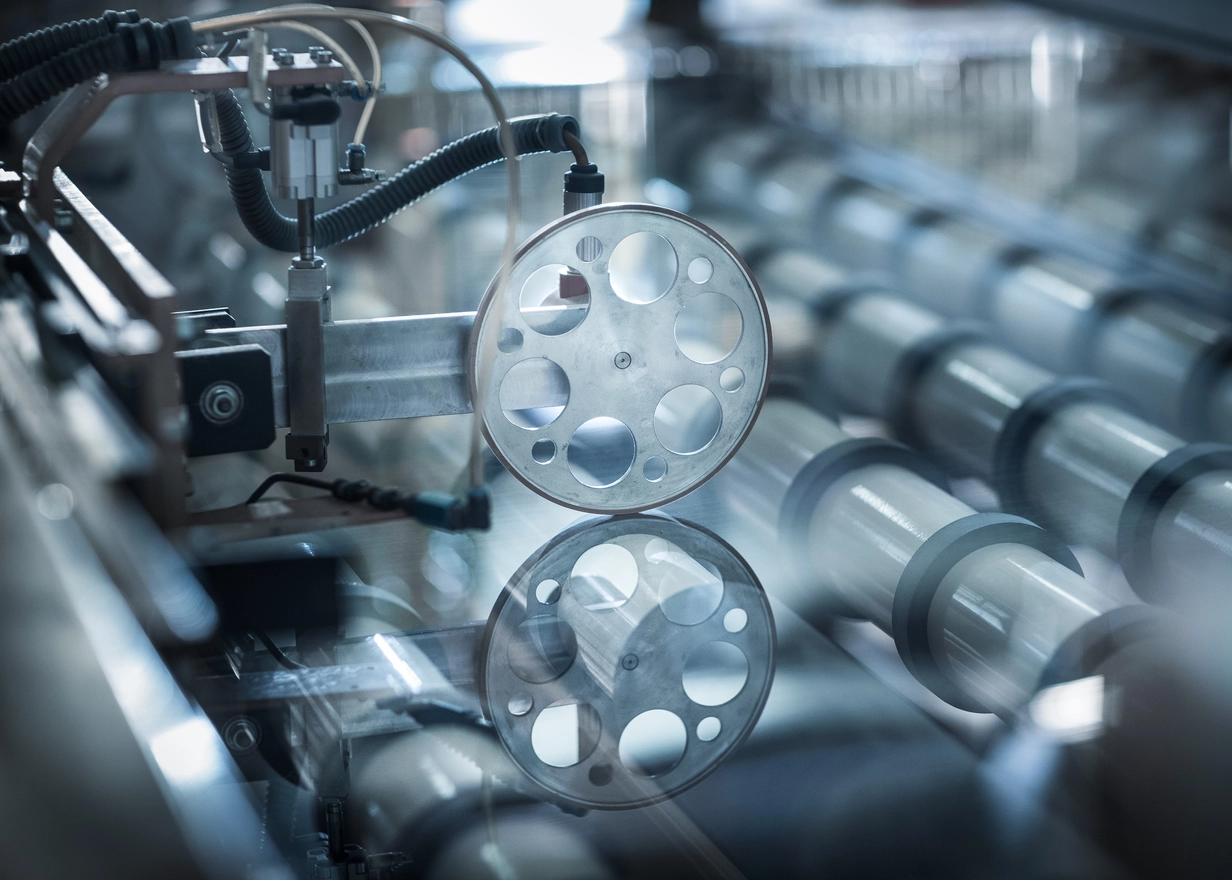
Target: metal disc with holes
{"points": [[626, 659], [627, 361]]}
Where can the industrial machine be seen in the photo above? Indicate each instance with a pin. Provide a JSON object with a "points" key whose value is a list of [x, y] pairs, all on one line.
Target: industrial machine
{"points": [[740, 440]]}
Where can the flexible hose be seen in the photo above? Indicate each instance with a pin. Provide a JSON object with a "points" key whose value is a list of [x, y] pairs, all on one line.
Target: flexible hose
{"points": [[534, 134], [19, 55], [140, 46]]}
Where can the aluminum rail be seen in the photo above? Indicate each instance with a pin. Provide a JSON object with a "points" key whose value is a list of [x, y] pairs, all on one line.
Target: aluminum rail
{"points": [[384, 368]]}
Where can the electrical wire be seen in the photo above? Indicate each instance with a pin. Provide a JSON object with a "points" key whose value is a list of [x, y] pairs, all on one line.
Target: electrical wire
{"points": [[486, 357], [374, 55], [297, 479], [277, 653]]}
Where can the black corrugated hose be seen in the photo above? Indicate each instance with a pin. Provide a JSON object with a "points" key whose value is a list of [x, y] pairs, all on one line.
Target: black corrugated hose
{"points": [[19, 55], [532, 134], [140, 46]]}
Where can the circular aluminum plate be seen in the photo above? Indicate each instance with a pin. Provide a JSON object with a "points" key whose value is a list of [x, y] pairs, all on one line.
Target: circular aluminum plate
{"points": [[626, 659], [631, 381]]}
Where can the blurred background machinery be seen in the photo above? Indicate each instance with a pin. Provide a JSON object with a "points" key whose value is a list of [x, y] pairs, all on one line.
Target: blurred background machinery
{"points": [[841, 487]]}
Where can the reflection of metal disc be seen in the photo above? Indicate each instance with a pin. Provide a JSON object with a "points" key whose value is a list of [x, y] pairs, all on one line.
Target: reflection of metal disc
{"points": [[627, 362], [625, 659]]}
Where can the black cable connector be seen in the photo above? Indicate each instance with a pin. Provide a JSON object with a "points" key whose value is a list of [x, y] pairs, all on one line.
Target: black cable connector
{"points": [[438, 510]]}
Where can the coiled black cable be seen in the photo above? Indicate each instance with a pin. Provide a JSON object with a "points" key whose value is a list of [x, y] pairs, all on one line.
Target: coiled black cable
{"points": [[534, 134], [20, 54], [140, 46]]}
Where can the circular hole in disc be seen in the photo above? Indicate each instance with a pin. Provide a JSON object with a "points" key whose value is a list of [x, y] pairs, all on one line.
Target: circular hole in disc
{"points": [[654, 469], [520, 704], [642, 268], [510, 340], [554, 299], [709, 728], [601, 451], [565, 734], [604, 577], [735, 620], [542, 649], [715, 673], [533, 393], [689, 589], [708, 328], [700, 270], [731, 379], [653, 742], [600, 774], [547, 592], [687, 419], [589, 249], [543, 451]]}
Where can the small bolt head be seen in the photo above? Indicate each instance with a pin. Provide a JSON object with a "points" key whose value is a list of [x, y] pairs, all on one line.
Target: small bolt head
{"points": [[622, 360], [221, 403], [241, 734], [283, 58], [629, 661]]}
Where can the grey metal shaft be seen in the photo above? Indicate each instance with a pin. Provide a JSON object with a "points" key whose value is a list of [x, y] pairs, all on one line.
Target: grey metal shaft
{"points": [[306, 227], [1080, 466], [1065, 314], [999, 614]]}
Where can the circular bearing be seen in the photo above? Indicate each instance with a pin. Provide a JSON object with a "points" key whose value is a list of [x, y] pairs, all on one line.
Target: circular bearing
{"points": [[626, 659], [627, 362]]}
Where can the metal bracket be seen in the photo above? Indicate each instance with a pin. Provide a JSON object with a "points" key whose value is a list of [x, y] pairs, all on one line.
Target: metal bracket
{"points": [[230, 399], [83, 106], [308, 313], [382, 368]]}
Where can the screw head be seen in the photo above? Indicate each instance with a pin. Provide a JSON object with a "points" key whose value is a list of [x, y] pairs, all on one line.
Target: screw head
{"points": [[622, 360], [629, 661], [222, 403], [241, 734]]}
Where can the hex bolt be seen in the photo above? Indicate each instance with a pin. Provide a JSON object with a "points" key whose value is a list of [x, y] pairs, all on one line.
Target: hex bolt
{"points": [[283, 58], [241, 734], [622, 360], [222, 403]]}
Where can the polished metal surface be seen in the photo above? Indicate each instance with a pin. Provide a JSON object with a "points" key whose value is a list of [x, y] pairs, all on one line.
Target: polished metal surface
{"points": [[382, 368], [308, 312], [618, 361], [615, 620]]}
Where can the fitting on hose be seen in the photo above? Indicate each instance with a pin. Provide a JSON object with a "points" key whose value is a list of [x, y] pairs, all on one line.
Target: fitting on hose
{"points": [[583, 188]]}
